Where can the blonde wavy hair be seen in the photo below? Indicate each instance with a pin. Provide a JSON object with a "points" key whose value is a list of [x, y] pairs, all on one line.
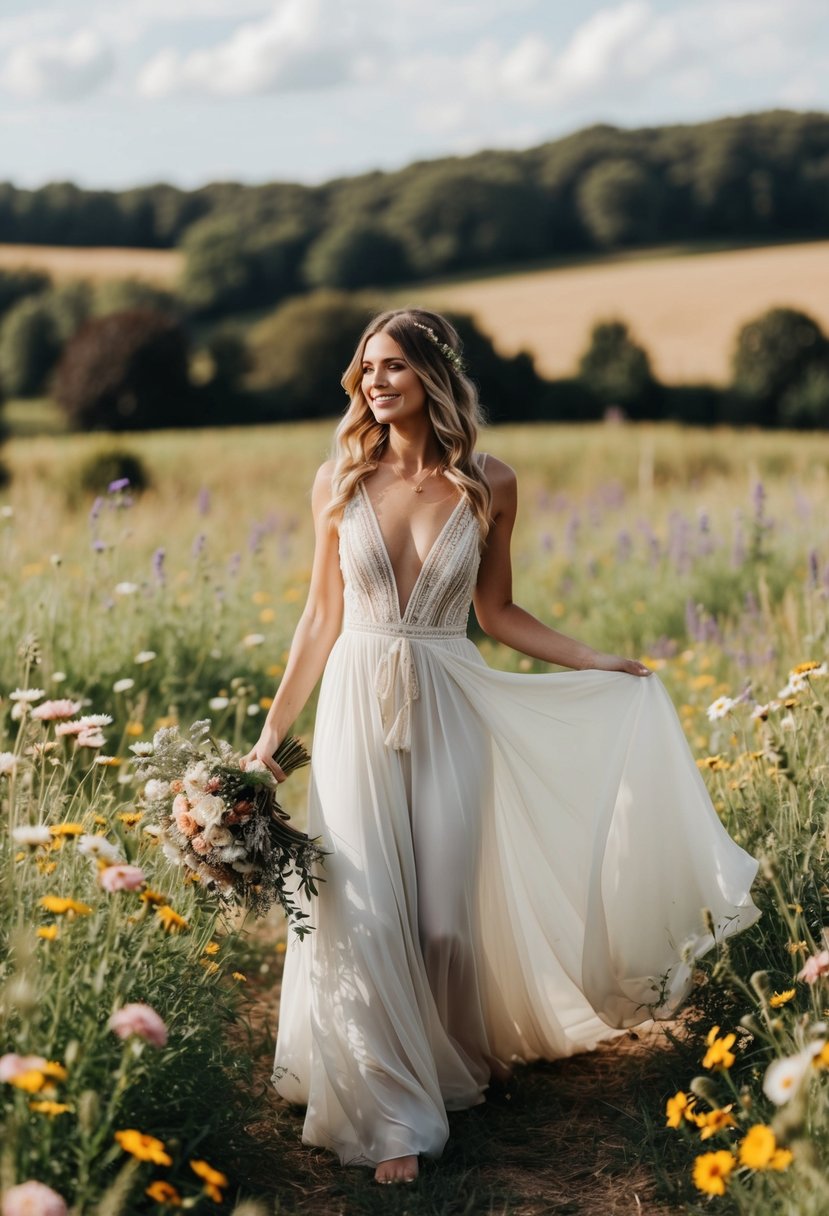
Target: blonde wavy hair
{"points": [[451, 399]]}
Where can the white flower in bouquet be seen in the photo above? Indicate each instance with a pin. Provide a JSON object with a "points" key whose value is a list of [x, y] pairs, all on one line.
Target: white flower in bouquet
{"points": [[233, 852], [218, 836], [244, 867], [195, 780], [156, 791], [172, 852]]}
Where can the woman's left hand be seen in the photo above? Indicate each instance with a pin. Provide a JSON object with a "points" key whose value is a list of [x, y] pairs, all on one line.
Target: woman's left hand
{"points": [[613, 662]]}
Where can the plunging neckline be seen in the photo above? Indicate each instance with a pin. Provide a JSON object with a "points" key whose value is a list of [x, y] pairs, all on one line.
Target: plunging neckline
{"points": [[384, 549]]}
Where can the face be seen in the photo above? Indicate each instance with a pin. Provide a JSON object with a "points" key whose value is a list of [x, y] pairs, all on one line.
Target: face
{"points": [[392, 388]]}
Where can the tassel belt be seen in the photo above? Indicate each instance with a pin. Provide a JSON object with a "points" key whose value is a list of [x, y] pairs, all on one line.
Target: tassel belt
{"points": [[395, 679]]}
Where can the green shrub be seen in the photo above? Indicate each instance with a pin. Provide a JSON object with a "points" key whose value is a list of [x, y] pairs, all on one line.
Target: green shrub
{"points": [[771, 355], [29, 347], [101, 468], [355, 254], [618, 372]]}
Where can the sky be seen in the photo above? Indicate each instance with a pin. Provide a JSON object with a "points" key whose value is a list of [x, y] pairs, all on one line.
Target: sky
{"points": [[115, 93]]}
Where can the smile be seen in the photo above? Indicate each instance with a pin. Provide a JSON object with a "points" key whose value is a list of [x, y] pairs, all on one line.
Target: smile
{"points": [[385, 397]]}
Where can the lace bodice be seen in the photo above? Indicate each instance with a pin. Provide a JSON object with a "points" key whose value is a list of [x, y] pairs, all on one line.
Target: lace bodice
{"points": [[438, 606], [440, 599]]}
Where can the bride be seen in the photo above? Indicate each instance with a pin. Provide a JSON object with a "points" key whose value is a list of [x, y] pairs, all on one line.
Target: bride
{"points": [[518, 865]]}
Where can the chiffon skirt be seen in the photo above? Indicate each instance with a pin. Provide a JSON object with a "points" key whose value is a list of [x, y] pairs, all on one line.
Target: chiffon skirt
{"points": [[536, 873]]}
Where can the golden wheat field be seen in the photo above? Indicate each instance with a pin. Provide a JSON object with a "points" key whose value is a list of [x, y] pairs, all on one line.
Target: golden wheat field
{"points": [[685, 308]]}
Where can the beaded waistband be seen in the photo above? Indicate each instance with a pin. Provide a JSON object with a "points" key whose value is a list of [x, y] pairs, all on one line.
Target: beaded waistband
{"points": [[405, 629]]}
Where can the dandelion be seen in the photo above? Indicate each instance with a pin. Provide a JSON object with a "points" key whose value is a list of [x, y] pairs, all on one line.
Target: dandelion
{"points": [[712, 1170], [26, 696], [145, 656], [719, 1054], [815, 967], [51, 711], [212, 1179], [759, 1150], [33, 1199], [170, 919], [164, 1193], [121, 878], [139, 1019], [123, 685], [143, 1147], [33, 835], [782, 998], [45, 1106], [60, 905]]}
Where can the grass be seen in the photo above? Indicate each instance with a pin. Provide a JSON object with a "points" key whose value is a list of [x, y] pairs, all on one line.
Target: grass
{"points": [[704, 551]]}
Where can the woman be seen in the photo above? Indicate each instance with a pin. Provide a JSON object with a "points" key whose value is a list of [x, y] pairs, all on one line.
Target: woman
{"points": [[518, 864]]}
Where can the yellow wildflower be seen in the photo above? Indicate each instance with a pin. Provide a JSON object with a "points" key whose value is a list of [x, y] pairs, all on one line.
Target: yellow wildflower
{"points": [[60, 905], [281, 947], [821, 1060], [782, 1159], [210, 967], [55, 1070], [45, 1106], [144, 1148], [152, 897], [67, 829], [163, 1192], [759, 1147], [212, 948], [45, 867], [134, 729], [208, 1174], [108, 761], [240, 975], [719, 1054], [129, 818], [714, 1121], [32, 1080], [802, 668], [50, 932], [170, 919], [711, 1171], [782, 998], [677, 1108]]}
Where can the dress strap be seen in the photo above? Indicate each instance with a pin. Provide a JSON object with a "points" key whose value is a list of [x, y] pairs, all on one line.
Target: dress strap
{"points": [[481, 456]]}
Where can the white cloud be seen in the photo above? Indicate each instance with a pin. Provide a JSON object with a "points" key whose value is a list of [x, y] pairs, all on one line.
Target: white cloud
{"points": [[57, 69], [301, 44]]}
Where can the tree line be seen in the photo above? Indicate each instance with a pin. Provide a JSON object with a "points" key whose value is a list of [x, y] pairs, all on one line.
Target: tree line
{"points": [[758, 177]]}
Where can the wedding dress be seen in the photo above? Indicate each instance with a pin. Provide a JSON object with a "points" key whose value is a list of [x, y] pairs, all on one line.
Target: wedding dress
{"points": [[518, 864]]}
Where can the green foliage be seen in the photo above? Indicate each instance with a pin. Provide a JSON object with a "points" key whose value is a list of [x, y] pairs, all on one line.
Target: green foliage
{"points": [[97, 470], [618, 203], [771, 356], [116, 295], [355, 254], [617, 370], [29, 346], [805, 404], [231, 266], [126, 371], [16, 284]]}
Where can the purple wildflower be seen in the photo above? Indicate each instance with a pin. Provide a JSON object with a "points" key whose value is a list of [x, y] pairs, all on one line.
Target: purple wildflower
{"points": [[158, 565], [204, 501], [119, 484], [95, 509]]}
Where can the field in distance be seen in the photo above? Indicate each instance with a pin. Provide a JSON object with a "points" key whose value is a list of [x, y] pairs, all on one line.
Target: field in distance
{"points": [[684, 307]]}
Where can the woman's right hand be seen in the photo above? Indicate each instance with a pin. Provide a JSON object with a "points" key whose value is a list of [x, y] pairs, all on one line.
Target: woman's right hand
{"points": [[263, 750]]}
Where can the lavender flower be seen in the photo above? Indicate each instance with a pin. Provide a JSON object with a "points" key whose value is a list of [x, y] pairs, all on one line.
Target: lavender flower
{"points": [[158, 565], [119, 484]]}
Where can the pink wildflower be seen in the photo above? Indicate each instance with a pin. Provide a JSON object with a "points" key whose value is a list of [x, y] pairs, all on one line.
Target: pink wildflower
{"points": [[139, 1019], [184, 820], [200, 844], [12, 1065], [32, 1199], [70, 728], [50, 710], [815, 967], [121, 878]]}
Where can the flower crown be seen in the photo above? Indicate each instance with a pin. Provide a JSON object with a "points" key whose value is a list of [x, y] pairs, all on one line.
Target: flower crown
{"points": [[450, 355]]}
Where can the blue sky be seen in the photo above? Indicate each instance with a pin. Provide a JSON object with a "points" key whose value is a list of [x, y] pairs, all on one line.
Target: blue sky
{"points": [[113, 93]]}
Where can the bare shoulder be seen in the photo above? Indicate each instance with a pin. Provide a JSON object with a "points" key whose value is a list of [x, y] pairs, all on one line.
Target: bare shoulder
{"points": [[321, 492], [502, 482]]}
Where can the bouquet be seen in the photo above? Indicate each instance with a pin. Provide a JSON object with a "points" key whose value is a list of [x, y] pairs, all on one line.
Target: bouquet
{"points": [[225, 824]]}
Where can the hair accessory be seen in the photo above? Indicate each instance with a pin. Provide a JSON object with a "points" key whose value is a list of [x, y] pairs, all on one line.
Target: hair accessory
{"points": [[450, 355]]}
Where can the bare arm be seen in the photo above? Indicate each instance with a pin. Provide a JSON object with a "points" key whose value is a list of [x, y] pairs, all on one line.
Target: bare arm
{"points": [[315, 634], [504, 620]]}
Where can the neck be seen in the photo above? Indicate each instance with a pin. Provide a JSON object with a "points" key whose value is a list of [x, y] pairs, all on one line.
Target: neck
{"points": [[412, 448]]}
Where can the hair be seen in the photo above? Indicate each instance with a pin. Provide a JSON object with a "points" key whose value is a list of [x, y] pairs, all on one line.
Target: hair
{"points": [[451, 400]]}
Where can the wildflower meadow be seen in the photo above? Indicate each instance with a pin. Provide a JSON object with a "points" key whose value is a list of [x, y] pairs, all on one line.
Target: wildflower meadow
{"points": [[125, 1085]]}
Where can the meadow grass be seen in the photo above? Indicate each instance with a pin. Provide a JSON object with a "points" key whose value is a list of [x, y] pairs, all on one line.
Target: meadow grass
{"points": [[705, 552]]}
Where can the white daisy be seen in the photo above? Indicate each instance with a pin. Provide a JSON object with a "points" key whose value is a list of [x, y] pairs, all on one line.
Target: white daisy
{"points": [[145, 656], [218, 702], [142, 749], [33, 834], [126, 588], [8, 763], [123, 685], [720, 708], [783, 1077], [253, 639], [89, 720], [99, 847], [27, 694]]}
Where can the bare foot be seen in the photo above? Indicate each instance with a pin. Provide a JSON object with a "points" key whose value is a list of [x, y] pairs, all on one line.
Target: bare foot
{"points": [[396, 1169]]}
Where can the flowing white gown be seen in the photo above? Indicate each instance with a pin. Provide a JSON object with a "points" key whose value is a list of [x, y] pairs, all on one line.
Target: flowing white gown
{"points": [[518, 864]]}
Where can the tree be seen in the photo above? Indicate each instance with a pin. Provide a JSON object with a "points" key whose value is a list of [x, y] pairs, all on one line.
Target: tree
{"points": [[771, 356], [126, 371], [618, 371], [805, 404], [29, 347], [15, 284], [355, 254], [618, 203], [231, 266]]}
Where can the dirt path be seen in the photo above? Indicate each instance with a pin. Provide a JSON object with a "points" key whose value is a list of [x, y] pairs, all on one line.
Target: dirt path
{"points": [[565, 1139]]}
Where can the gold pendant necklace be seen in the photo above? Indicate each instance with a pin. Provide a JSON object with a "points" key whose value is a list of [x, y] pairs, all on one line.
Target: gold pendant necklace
{"points": [[418, 489]]}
